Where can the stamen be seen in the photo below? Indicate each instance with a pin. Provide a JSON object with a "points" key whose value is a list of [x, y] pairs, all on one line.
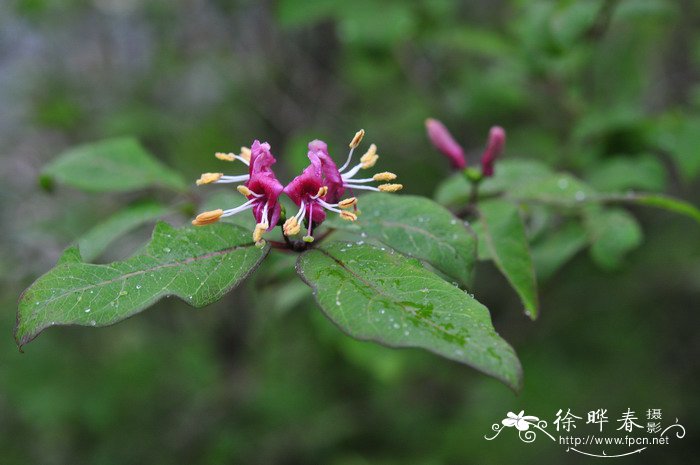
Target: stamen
{"points": [[231, 179], [231, 157], [291, 227], [370, 153], [208, 217], [260, 228], [309, 238], [246, 206], [348, 216], [225, 156], [348, 203], [322, 191], [245, 154], [385, 176], [360, 187], [390, 187], [357, 139], [369, 161], [208, 178], [247, 192]]}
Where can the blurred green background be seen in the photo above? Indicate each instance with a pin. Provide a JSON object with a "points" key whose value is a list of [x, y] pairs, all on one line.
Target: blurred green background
{"points": [[607, 89]]}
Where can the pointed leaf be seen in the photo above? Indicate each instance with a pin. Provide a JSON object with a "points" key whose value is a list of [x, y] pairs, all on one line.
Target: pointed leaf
{"points": [[112, 165], [199, 265], [381, 296], [420, 228], [94, 242], [504, 234]]}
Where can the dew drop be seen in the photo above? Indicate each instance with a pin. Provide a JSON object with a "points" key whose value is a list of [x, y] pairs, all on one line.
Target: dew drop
{"points": [[87, 310]]}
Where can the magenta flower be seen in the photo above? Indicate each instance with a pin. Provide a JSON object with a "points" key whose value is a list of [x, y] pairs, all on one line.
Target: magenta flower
{"points": [[321, 185], [261, 188], [445, 143], [497, 140]]}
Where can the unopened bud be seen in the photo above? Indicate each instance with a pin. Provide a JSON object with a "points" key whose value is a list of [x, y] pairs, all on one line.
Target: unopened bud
{"points": [[497, 140], [445, 143]]}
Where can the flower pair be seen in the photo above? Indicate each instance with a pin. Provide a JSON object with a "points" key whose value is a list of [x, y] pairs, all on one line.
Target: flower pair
{"points": [[318, 189], [445, 143]]}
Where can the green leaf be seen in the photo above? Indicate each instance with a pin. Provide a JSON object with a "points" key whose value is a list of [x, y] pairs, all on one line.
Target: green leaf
{"points": [[613, 232], [679, 134], [666, 202], [94, 242], [504, 234], [621, 173], [112, 165], [454, 191], [198, 265], [561, 190], [554, 249], [382, 296], [420, 228]]}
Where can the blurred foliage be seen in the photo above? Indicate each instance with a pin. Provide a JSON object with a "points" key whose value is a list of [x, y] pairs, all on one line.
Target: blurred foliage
{"points": [[607, 89]]}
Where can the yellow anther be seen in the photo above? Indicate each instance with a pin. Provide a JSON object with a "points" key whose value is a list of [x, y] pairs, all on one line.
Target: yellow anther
{"points": [[323, 190], [291, 227], [260, 229], [308, 239], [208, 178], [385, 176], [370, 153], [348, 216], [369, 161], [245, 153], [357, 139], [208, 217], [390, 187], [225, 156], [348, 203], [244, 190]]}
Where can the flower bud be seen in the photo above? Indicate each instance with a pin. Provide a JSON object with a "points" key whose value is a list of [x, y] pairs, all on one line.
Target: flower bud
{"points": [[445, 143], [497, 140]]}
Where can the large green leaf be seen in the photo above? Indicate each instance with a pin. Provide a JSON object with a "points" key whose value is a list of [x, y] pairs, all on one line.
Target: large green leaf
{"points": [[506, 241], [378, 295], [198, 265], [112, 165], [420, 228], [94, 242]]}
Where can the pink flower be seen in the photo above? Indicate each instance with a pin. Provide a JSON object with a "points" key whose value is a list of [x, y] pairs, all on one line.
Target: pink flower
{"points": [[445, 143], [321, 185], [497, 140], [261, 188]]}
